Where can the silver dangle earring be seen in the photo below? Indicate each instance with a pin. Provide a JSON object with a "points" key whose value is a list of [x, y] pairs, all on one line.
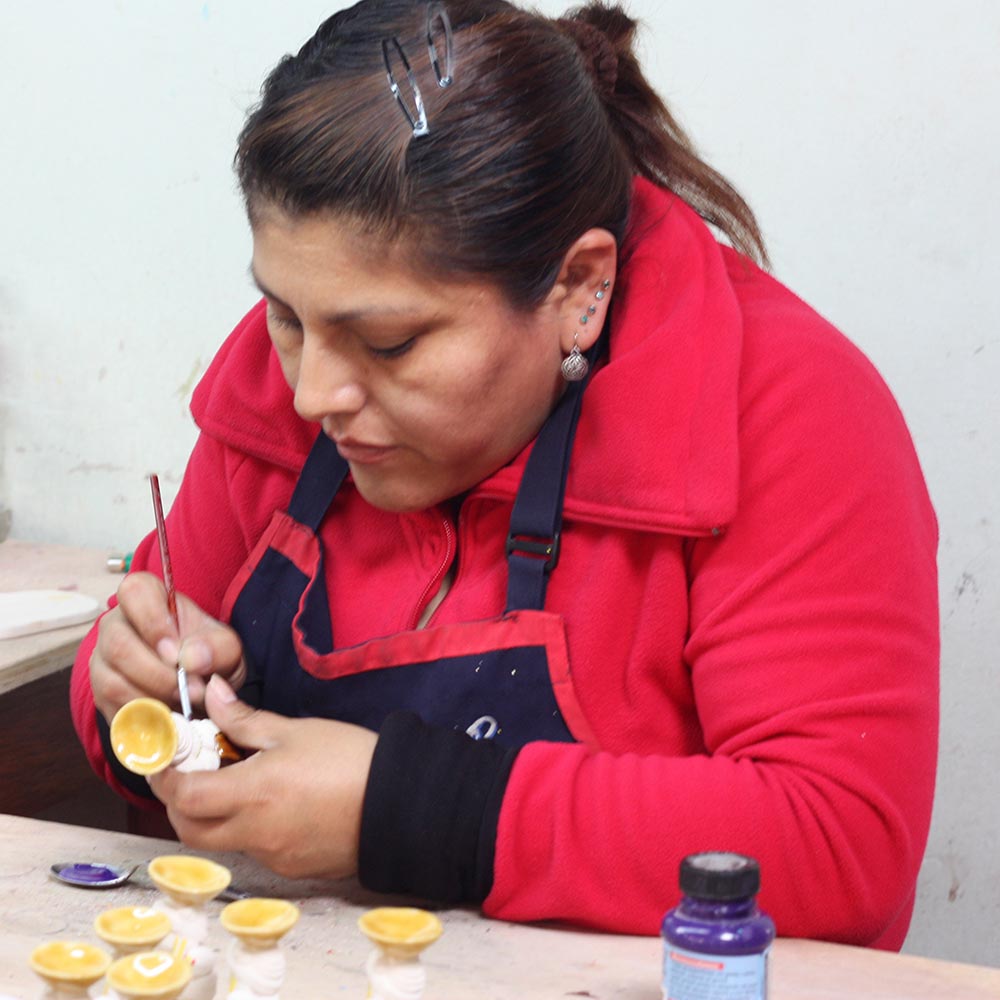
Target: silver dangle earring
{"points": [[575, 366]]}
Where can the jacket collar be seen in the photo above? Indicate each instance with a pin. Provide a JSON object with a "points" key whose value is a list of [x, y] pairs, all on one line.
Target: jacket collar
{"points": [[656, 447]]}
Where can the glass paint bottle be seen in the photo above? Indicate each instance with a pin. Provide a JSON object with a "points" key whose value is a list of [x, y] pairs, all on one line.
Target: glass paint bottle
{"points": [[716, 940]]}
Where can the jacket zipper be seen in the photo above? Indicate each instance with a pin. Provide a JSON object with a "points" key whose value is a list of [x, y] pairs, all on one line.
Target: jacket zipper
{"points": [[434, 584]]}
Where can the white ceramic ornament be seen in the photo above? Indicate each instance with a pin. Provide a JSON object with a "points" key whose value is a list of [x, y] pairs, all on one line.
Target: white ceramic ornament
{"points": [[399, 934], [256, 961], [187, 883]]}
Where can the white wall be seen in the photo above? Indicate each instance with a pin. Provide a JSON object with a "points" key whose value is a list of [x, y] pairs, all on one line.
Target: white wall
{"points": [[864, 133]]}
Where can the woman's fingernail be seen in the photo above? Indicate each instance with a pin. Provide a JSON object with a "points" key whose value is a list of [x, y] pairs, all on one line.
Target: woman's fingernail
{"points": [[168, 651], [196, 656], [221, 689]]}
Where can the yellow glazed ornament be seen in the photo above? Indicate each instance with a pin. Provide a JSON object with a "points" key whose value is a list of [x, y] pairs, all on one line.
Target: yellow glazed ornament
{"points": [[256, 962], [68, 968], [130, 929], [400, 934], [187, 883], [147, 975], [147, 737]]}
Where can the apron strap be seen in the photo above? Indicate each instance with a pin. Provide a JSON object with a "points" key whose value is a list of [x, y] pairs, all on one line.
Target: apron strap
{"points": [[536, 520], [321, 477]]}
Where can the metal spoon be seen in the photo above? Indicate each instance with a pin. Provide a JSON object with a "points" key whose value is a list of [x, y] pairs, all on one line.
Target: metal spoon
{"points": [[92, 875], [101, 875]]}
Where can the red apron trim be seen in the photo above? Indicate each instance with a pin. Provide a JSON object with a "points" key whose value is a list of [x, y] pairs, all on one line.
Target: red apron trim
{"points": [[285, 535], [519, 628]]}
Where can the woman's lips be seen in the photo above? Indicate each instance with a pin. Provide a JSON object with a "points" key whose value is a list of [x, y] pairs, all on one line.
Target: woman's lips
{"points": [[359, 453]]}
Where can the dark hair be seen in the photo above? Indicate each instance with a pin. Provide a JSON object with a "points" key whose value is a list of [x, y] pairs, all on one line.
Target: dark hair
{"points": [[536, 141]]}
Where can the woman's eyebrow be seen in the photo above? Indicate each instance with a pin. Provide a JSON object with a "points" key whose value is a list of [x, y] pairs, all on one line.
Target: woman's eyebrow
{"points": [[264, 290], [333, 319]]}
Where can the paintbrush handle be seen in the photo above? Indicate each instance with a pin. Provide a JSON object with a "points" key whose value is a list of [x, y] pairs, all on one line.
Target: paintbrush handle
{"points": [[161, 537], [168, 582]]}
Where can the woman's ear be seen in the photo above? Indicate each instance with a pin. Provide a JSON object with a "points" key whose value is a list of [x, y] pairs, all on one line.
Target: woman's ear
{"points": [[582, 292]]}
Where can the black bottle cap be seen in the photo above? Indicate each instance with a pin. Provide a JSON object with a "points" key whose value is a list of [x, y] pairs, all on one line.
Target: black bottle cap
{"points": [[719, 875]]}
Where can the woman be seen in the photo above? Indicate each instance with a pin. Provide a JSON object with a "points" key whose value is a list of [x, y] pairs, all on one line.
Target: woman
{"points": [[513, 449]]}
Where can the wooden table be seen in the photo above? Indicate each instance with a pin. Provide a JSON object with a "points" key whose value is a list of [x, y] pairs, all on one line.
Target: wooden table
{"points": [[475, 957], [42, 768]]}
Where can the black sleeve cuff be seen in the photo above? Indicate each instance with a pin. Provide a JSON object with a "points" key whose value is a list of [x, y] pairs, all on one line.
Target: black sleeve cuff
{"points": [[430, 814], [135, 783]]}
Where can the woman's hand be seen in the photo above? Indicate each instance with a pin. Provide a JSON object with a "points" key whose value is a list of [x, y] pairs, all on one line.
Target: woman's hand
{"points": [[138, 648], [295, 805]]}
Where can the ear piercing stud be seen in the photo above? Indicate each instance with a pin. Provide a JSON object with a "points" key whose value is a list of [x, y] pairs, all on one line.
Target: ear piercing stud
{"points": [[575, 366]]}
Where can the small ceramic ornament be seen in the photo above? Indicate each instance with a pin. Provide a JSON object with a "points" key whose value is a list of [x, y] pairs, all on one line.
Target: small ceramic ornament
{"points": [[187, 884], [131, 929], [147, 737], [256, 962], [146, 975], [68, 968], [399, 934]]}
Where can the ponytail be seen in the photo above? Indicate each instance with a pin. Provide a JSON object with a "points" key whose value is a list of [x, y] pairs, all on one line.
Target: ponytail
{"points": [[657, 146]]}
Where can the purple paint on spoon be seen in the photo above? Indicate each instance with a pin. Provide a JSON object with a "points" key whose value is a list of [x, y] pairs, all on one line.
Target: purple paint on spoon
{"points": [[88, 874]]}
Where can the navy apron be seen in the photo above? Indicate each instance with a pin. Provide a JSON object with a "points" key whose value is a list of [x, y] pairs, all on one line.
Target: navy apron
{"points": [[505, 678]]}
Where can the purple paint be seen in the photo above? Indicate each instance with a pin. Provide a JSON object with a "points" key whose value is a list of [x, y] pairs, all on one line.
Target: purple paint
{"points": [[716, 940], [85, 874]]}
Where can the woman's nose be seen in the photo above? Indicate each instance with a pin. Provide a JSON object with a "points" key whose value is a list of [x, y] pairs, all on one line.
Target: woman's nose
{"points": [[328, 383]]}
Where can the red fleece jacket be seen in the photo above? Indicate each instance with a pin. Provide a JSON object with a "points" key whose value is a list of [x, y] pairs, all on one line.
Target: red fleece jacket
{"points": [[748, 582]]}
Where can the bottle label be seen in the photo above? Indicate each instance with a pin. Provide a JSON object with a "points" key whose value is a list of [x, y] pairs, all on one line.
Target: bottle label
{"points": [[688, 975]]}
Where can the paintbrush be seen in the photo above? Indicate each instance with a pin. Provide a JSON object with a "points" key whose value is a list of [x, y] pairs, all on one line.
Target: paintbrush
{"points": [[168, 581]]}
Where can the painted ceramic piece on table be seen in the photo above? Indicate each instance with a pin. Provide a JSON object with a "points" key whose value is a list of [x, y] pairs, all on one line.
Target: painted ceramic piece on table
{"points": [[403, 931], [256, 962], [187, 879], [149, 974], [69, 963], [259, 921], [132, 928], [143, 736], [400, 934]]}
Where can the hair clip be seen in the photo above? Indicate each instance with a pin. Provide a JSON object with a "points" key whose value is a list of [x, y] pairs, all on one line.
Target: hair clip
{"points": [[438, 11], [418, 120]]}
